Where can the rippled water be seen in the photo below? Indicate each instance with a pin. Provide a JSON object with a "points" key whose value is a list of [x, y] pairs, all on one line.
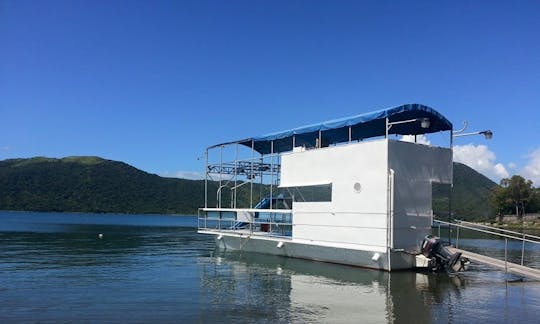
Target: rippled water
{"points": [[155, 268]]}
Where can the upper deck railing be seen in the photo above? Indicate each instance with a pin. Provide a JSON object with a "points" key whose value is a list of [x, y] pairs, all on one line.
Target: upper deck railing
{"points": [[266, 222]]}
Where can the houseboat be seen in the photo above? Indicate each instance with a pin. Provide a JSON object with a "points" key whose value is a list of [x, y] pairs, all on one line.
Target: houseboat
{"points": [[345, 191]]}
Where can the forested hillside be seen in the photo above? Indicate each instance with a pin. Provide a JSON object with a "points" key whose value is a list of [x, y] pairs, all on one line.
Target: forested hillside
{"points": [[470, 195], [93, 184]]}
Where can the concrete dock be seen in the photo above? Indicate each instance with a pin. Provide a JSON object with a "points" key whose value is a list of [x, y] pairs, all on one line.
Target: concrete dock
{"points": [[509, 267]]}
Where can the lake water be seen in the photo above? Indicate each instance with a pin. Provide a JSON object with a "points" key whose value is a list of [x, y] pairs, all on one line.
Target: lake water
{"points": [[156, 268]]}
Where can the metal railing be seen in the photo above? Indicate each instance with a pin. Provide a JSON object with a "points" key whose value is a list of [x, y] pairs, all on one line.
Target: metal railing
{"points": [[499, 232], [269, 222]]}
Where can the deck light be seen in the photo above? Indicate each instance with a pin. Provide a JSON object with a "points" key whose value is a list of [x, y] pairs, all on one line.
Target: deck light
{"points": [[487, 134], [424, 122]]}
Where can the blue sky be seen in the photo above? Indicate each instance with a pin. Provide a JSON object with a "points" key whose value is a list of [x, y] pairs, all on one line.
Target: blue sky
{"points": [[153, 83]]}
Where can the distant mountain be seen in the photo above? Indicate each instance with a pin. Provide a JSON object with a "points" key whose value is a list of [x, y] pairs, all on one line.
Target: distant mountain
{"points": [[93, 184], [470, 195]]}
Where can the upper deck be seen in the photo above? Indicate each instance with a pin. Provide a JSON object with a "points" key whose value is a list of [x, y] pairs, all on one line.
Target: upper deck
{"points": [[409, 119], [256, 161]]}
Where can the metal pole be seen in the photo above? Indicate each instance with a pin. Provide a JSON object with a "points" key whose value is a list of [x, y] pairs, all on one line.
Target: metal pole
{"points": [[235, 176], [450, 213], [350, 134], [206, 180], [205, 219], [522, 248], [389, 216], [251, 175], [457, 237], [450, 190], [271, 173], [260, 197], [392, 208], [220, 173], [505, 254]]}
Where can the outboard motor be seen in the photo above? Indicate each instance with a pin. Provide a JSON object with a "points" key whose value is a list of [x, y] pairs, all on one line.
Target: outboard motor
{"points": [[444, 260]]}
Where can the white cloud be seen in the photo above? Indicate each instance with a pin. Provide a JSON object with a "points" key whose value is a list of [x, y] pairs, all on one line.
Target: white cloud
{"points": [[421, 139], [531, 171], [512, 165], [480, 158], [190, 175]]}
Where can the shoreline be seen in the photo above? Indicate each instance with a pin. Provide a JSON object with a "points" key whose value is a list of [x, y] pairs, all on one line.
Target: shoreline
{"points": [[97, 213], [513, 226]]}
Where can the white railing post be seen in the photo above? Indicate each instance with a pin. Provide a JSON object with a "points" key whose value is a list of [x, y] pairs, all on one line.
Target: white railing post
{"points": [[505, 254], [457, 237], [522, 248]]}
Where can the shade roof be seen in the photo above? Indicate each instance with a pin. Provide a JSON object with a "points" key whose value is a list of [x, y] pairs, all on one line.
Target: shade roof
{"points": [[361, 126]]}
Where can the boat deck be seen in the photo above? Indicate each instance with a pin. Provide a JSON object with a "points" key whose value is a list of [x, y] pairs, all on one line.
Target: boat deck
{"points": [[244, 233]]}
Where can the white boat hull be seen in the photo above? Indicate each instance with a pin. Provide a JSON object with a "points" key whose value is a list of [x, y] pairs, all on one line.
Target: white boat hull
{"points": [[347, 256]]}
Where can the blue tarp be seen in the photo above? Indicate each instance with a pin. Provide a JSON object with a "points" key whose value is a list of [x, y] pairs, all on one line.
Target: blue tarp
{"points": [[362, 126]]}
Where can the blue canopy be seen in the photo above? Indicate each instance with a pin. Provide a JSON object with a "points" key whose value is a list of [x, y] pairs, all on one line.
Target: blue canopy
{"points": [[357, 127]]}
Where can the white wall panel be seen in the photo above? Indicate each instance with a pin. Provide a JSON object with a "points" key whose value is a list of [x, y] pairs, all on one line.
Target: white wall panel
{"points": [[357, 216], [415, 167]]}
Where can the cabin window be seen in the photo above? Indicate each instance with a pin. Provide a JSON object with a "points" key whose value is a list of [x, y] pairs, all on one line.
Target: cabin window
{"points": [[314, 193]]}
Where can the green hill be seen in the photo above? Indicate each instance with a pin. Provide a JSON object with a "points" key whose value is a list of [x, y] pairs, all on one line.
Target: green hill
{"points": [[470, 195], [93, 184]]}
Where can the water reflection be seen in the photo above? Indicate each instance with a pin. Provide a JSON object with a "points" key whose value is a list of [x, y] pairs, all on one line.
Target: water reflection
{"points": [[285, 289]]}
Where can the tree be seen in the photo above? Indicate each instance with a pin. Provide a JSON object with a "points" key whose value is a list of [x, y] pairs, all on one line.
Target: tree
{"points": [[499, 201], [514, 194], [534, 204]]}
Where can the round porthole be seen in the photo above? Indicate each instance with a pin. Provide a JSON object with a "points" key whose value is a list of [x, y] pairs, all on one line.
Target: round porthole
{"points": [[357, 187]]}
